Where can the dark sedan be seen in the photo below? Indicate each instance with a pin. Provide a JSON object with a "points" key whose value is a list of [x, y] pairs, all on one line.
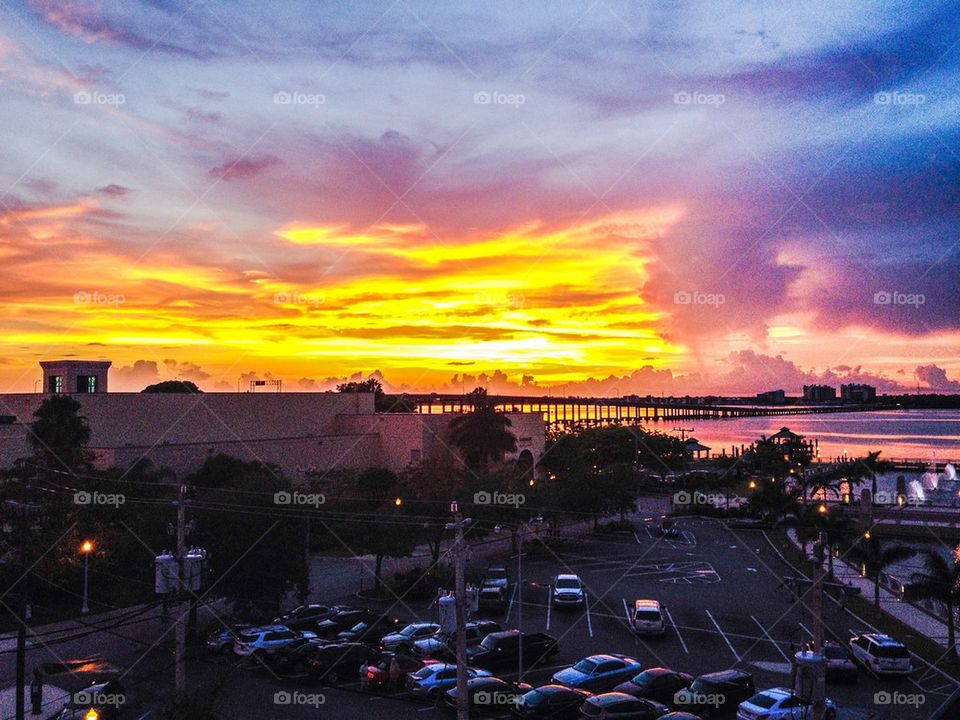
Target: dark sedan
{"points": [[490, 695], [660, 684], [623, 707], [557, 702]]}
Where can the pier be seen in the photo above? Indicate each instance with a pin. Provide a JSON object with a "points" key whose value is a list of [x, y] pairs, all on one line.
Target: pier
{"points": [[569, 413]]}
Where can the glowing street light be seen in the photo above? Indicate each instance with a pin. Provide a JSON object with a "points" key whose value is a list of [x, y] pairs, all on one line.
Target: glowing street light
{"points": [[86, 548], [822, 509], [398, 502], [92, 714], [866, 535], [752, 485]]}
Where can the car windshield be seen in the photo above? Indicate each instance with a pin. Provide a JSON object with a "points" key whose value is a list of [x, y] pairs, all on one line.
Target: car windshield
{"points": [[643, 678], [409, 631], [424, 672], [489, 643], [585, 666], [702, 687], [647, 615], [359, 627], [763, 700], [568, 584], [249, 636], [533, 698], [897, 652]]}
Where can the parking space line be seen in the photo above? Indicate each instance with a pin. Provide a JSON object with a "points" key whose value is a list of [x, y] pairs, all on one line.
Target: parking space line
{"points": [[676, 629], [513, 594], [586, 602], [549, 603], [805, 629], [725, 638], [772, 641], [626, 610]]}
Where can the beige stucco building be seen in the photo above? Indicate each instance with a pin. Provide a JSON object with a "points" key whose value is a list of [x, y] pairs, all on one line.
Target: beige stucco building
{"points": [[305, 434]]}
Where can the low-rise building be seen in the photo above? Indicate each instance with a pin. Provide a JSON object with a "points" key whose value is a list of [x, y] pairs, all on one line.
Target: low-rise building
{"points": [[305, 434]]}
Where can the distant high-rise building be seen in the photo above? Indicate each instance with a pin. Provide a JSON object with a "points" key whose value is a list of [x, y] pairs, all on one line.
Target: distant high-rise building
{"points": [[819, 393], [773, 397], [858, 393]]}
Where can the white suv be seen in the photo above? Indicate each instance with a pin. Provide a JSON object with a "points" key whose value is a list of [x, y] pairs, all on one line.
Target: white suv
{"points": [[568, 591], [647, 618], [881, 654], [266, 640]]}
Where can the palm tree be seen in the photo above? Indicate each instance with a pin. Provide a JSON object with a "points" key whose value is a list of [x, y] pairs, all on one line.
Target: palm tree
{"points": [[836, 526], [942, 583], [482, 435], [877, 557]]}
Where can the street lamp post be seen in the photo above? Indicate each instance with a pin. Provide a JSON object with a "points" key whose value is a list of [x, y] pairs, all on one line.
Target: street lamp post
{"points": [[86, 549]]}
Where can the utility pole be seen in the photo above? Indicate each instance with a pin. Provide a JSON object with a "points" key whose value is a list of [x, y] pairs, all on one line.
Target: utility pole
{"points": [[181, 630], [460, 595], [24, 606], [523, 529], [819, 705]]}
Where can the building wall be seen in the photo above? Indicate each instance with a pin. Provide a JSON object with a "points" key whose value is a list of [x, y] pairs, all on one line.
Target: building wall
{"points": [[305, 434]]}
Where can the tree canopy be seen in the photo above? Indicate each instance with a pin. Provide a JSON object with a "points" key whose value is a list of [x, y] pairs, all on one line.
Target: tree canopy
{"points": [[172, 386]]}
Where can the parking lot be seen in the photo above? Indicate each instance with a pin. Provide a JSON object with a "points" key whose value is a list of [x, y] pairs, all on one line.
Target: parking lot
{"points": [[723, 601]]}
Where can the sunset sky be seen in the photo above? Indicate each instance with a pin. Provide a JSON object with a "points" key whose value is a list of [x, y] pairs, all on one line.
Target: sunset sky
{"points": [[605, 197]]}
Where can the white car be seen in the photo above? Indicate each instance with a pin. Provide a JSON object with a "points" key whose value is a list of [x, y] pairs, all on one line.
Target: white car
{"points": [[568, 591], [647, 618], [266, 640], [881, 654], [781, 704]]}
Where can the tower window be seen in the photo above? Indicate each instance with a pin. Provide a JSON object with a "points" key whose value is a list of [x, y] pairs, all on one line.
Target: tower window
{"points": [[56, 383]]}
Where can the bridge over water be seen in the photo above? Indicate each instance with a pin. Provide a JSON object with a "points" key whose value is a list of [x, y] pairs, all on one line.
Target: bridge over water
{"points": [[571, 412]]}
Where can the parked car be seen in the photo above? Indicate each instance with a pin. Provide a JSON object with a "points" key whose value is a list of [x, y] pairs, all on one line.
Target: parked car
{"points": [[881, 654], [305, 617], [716, 693], [294, 660], [431, 680], [501, 650], [489, 694], [370, 631], [494, 588], [378, 670], [622, 706], [260, 641], [343, 620], [222, 640], [668, 527], [335, 661], [492, 597], [101, 699], [659, 683], [557, 702], [568, 591], [598, 673], [781, 704], [647, 618], [442, 645], [402, 640], [840, 663]]}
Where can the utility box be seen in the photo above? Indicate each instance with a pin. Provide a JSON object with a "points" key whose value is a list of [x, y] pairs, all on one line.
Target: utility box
{"points": [[194, 568], [166, 573]]}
